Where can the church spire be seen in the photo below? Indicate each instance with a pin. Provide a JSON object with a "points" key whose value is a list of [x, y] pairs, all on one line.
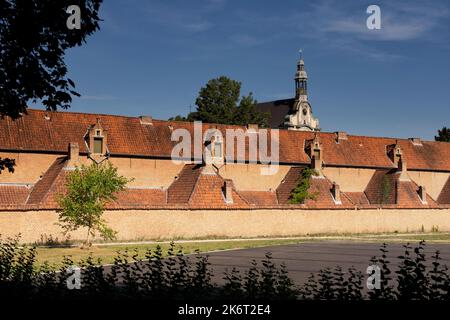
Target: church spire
{"points": [[301, 81], [300, 116]]}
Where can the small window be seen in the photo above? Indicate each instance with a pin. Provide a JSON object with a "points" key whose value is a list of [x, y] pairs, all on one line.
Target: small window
{"points": [[218, 150], [98, 145], [98, 133]]}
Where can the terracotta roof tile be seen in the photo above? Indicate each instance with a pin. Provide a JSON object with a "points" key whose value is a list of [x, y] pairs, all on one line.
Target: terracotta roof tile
{"points": [[374, 190], [127, 136], [357, 197], [320, 188], [208, 193], [47, 182], [401, 193], [260, 198], [444, 196], [13, 195], [181, 189], [288, 184], [138, 197]]}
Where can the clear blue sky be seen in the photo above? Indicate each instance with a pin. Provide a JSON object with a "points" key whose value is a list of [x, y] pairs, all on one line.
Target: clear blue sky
{"points": [[152, 57]]}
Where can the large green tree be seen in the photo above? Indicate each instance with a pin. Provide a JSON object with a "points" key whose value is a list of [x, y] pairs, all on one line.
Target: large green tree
{"points": [[34, 36], [220, 101], [443, 135], [89, 189]]}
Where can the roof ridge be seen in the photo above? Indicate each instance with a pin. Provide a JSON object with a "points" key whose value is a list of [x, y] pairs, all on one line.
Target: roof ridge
{"points": [[221, 124]]}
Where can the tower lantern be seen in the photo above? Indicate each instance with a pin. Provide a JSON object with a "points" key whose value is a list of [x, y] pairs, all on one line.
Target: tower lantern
{"points": [[301, 82]]}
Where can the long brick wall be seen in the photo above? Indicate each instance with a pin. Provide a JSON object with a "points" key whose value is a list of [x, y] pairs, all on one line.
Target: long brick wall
{"points": [[171, 224]]}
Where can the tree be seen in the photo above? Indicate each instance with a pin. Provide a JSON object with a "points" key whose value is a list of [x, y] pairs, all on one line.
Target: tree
{"points": [[220, 102], [33, 39], [7, 163], [89, 189], [443, 135]]}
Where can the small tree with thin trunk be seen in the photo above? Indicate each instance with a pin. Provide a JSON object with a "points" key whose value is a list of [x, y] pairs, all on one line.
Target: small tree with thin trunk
{"points": [[89, 189]]}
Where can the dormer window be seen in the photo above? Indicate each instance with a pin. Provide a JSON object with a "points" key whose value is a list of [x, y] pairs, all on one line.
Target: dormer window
{"points": [[96, 142], [217, 153], [98, 145], [214, 147]]}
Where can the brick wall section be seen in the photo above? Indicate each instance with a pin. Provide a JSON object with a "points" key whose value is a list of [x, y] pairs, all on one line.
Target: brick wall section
{"points": [[135, 225]]}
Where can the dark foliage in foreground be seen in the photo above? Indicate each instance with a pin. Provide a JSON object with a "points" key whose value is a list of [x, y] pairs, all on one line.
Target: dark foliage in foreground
{"points": [[181, 277]]}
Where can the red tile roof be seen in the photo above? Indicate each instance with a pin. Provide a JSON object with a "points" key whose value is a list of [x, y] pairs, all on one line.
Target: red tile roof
{"points": [[260, 198], [357, 197], [402, 193], [444, 196], [320, 189], [208, 194], [51, 182], [196, 187], [290, 181], [381, 188], [13, 195], [139, 197], [181, 189], [127, 136]]}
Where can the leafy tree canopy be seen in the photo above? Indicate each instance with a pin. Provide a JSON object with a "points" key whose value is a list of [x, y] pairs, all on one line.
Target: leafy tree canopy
{"points": [[443, 135], [89, 188], [33, 39], [220, 101]]}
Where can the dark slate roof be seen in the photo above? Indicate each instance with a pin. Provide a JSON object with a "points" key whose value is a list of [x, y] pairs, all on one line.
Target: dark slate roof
{"points": [[277, 109]]}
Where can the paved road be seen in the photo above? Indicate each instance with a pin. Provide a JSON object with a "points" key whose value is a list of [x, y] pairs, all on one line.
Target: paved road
{"points": [[303, 259]]}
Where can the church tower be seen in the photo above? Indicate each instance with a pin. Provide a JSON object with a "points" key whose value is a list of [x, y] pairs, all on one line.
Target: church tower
{"points": [[300, 116]]}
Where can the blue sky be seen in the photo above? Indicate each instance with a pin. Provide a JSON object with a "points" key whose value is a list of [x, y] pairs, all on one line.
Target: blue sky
{"points": [[152, 57]]}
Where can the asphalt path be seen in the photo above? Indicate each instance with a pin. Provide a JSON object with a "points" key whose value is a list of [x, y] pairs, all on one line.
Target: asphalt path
{"points": [[305, 258]]}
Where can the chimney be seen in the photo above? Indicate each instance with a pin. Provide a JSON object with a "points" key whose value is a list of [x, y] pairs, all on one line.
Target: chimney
{"points": [[146, 120], [252, 127], [228, 191], [395, 153], [422, 194], [336, 192], [402, 169], [341, 135], [316, 156], [74, 154]]}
